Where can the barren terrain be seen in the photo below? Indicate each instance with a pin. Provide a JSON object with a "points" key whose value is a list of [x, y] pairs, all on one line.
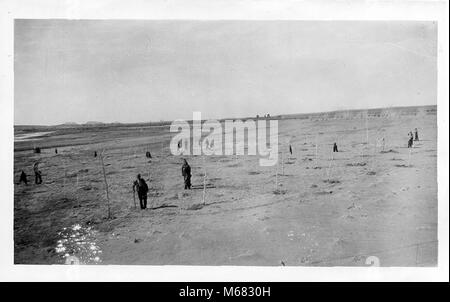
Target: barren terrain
{"points": [[328, 210]]}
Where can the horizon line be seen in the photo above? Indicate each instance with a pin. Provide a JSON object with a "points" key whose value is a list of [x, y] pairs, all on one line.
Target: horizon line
{"points": [[219, 119]]}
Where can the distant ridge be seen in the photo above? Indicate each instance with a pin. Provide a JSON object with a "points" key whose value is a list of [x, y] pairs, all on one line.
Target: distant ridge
{"points": [[93, 123], [386, 112]]}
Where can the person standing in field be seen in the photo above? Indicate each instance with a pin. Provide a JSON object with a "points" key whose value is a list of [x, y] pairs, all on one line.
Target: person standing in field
{"points": [[141, 187], [186, 172], [410, 140], [23, 178], [37, 173], [290, 149], [335, 148], [416, 134]]}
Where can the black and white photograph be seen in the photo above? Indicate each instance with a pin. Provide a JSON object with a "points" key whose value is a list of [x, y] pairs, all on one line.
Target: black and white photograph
{"points": [[213, 142]]}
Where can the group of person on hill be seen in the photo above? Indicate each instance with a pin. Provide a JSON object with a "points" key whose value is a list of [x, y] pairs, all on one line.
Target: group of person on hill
{"points": [[141, 187], [37, 175]]}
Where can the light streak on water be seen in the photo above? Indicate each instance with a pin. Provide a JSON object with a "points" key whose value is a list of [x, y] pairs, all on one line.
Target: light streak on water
{"points": [[77, 245]]}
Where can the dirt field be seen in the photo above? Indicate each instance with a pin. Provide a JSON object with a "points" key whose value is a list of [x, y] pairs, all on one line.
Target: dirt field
{"points": [[328, 210]]}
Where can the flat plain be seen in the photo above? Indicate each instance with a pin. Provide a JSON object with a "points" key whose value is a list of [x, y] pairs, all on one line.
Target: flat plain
{"points": [[315, 208]]}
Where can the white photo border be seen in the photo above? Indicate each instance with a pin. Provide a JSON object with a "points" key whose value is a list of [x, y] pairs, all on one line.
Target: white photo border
{"points": [[215, 10]]}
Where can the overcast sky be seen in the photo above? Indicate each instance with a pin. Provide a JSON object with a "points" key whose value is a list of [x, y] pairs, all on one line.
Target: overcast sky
{"points": [[140, 71]]}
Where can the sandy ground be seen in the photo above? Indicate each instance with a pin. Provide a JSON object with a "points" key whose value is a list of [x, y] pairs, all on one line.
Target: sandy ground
{"points": [[336, 210]]}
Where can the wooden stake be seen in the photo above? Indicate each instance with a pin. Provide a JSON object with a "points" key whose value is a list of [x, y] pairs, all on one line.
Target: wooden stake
{"points": [[409, 158], [78, 200], [329, 167], [204, 181], [374, 153], [316, 151], [106, 184], [148, 169], [276, 178], [282, 163], [367, 131]]}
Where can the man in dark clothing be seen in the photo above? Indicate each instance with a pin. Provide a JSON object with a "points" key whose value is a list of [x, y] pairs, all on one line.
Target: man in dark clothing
{"points": [[95, 153], [56, 151], [186, 172], [410, 140], [335, 148], [416, 135], [290, 149], [148, 155], [141, 187], [23, 178], [37, 173]]}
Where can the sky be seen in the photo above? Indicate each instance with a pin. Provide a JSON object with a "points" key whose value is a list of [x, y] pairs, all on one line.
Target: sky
{"points": [[141, 71]]}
